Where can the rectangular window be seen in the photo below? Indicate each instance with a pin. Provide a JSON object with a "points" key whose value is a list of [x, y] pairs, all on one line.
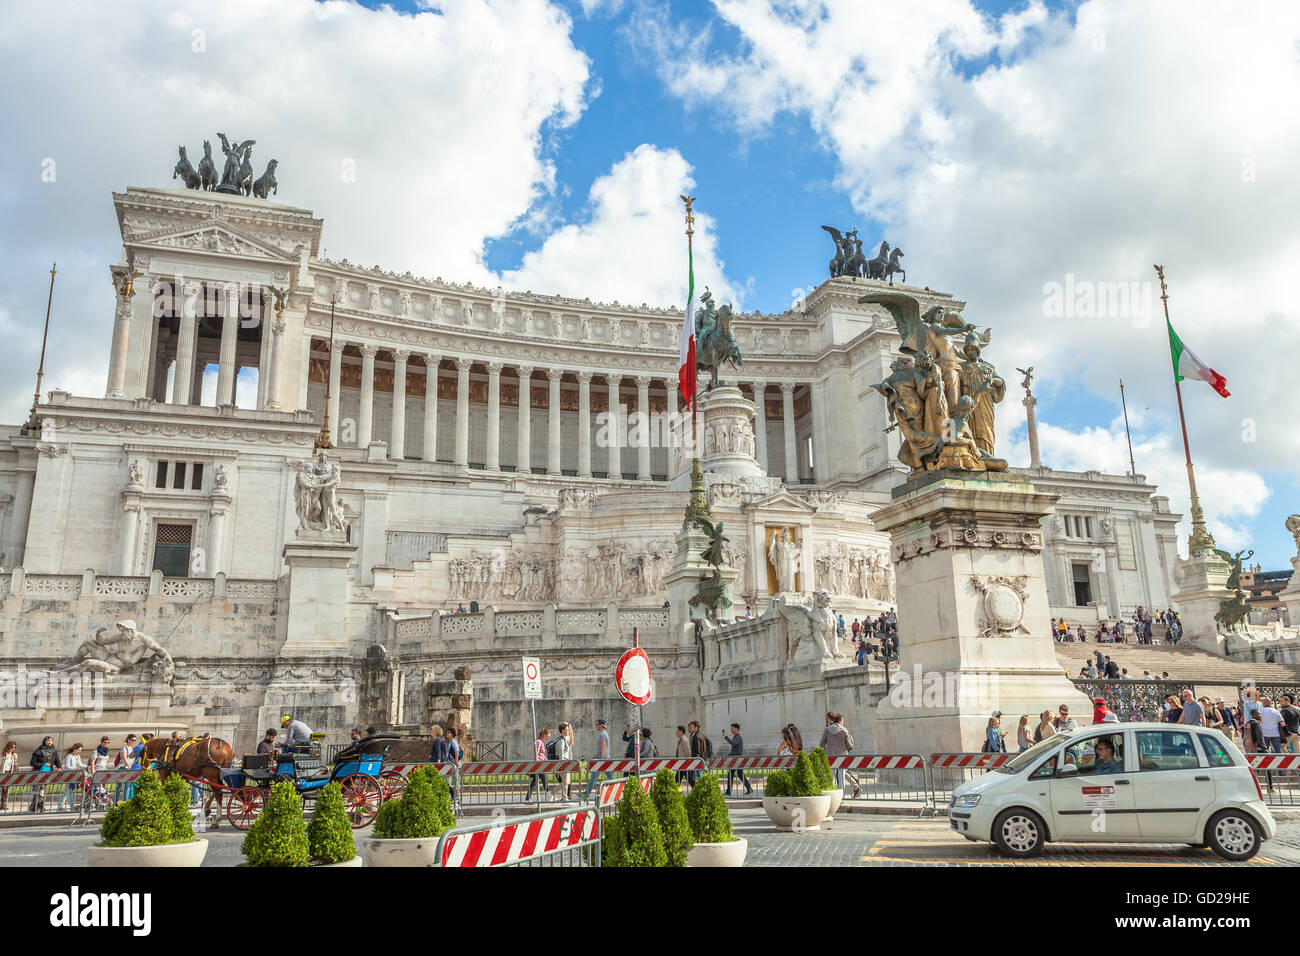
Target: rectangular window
{"points": [[160, 480], [1166, 750], [196, 483], [178, 475], [171, 549], [1087, 527], [1215, 752], [1082, 585]]}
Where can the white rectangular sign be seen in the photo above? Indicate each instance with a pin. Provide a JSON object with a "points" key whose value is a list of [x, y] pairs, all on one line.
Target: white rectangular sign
{"points": [[532, 678]]}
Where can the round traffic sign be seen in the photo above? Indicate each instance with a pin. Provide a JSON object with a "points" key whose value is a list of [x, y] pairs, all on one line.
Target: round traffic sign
{"points": [[530, 672], [632, 676]]}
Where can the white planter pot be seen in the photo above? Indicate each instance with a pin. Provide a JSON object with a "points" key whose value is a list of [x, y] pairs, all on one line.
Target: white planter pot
{"points": [[357, 860], [410, 852], [718, 854], [797, 813], [837, 798], [171, 854]]}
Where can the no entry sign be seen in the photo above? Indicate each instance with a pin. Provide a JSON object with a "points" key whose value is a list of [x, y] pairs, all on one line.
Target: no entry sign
{"points": [[532, 678], [632, 676]]}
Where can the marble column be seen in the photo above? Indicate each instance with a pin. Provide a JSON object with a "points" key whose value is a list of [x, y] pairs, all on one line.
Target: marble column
{"points": [[183, 380], [643, 414], [397, 442], [1035, 461], [366, 413], [333, 389], [760, 424], [791, 438], [613, 433], [584, 424], [462, 410], [130, 528], [216, 531], [553, 421], [276, 358], [524, 436], [121, 345], [229, 340], [493, 458], [431, 407]]}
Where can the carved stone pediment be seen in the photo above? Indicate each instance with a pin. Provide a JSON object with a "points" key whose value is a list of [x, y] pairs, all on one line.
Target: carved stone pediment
{"points": [[782, 501], [213, 238]]}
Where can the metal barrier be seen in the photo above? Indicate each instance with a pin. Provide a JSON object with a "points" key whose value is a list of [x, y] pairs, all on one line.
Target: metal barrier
{"points": [[949, 771], [1280, 777], [568, 837], [886, 777], [611, 791], [751, 770], [42, 791]]}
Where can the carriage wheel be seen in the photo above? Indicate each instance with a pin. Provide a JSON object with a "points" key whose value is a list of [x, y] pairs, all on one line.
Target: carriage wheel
{"points": [[244, 807], [362, 796], [393, 783]]}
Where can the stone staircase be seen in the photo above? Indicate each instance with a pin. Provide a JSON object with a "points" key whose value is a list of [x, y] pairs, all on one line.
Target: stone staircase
{"points": [[1181, 661]]}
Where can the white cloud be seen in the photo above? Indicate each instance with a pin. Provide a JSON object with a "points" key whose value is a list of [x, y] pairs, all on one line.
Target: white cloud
{"points": [[1088, 147], [447, 117], [636, 227]]}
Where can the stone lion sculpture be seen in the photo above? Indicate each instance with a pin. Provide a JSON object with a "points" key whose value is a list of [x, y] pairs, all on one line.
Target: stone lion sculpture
{"points": [[812, 622]]}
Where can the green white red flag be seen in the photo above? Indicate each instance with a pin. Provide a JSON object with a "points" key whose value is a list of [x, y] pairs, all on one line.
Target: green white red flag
{"points": [[686, 371], [1187, 365]]}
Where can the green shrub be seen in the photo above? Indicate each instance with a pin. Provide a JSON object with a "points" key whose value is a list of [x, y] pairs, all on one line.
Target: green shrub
{"points": [[329, 834], [613, 843], [638, 829], [422, 811], [278, 837], [804, 779], [706, 812], [822, 769], [780, 783], [177, 792], [144, 820], [666, 795]]}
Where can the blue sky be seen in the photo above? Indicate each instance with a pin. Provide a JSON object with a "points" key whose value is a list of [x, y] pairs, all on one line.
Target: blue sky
{"points": [[1004, 146]]}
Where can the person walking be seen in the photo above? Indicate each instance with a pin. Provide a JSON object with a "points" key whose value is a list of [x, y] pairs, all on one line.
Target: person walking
{"points": [[44, 758], [438, 746], [791, 741], [563, 750], [602, 753], [699, 748], [1193, 714], [537, 781], [1270, 721], [1024, 736], [737, 744], [72, 760], [993, 742], [8, 764], [126, 761], [1044, 730], [837, 742]]}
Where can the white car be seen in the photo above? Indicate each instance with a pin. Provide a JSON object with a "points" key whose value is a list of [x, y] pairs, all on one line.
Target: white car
{"points": [[1119, 783]]}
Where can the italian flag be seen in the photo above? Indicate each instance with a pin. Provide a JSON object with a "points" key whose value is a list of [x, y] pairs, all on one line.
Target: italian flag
{"points": [[1187, 365], [686, 369]]}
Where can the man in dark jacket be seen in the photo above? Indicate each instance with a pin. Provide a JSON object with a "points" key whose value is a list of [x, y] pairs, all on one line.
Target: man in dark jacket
{"points": [[697, 748], [439, 752], [737, 749], [44, 757]]}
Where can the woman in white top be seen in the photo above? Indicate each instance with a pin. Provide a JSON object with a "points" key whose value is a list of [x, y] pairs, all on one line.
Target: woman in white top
{"points": [[72, 761], [563, 751], [8, 764]]}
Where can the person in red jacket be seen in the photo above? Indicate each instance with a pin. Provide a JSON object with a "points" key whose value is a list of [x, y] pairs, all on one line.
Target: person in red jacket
{"points": [[1100, 711]]}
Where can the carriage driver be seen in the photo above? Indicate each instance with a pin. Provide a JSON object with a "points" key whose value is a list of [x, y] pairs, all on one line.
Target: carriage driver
{"points": [[297, 735]]}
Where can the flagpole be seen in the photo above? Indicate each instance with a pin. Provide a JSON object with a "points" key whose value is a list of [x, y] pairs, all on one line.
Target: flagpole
{"points": [[1132, 467], [30, 428], [699, 502], [323, 439], [1200, 539]]}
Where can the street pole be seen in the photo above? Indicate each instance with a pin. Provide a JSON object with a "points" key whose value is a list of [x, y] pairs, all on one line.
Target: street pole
{"points": [[1131, 466], [532, 705], [636, 740]]}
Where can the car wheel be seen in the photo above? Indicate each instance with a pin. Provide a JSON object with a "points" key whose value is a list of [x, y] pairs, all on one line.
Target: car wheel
{"points": [[1233, 835], [1019, 833]]}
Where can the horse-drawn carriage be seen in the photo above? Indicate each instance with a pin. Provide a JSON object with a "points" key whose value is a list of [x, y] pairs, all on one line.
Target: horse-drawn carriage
{"points": [[358, 769]]}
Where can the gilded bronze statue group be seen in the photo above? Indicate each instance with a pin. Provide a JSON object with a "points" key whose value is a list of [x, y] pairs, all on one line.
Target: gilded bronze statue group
{"points": [[940, 393], [850, 260]]}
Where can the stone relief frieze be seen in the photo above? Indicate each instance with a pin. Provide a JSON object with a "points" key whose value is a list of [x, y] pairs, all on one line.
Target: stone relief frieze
{"points": [[855, 572]]}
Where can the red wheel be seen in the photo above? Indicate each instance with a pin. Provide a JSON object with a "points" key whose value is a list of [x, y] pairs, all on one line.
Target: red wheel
{"points": [[362, 796], [393, 783], [244, 806]]}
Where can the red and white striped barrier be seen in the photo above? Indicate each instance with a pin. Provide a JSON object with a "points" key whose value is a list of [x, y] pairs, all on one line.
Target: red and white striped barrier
{"points": [[483, 768], [512, 841], [446, 769], [968, 761], [628, 764], [116, 776], [783, 762], [611, 791], [1274, 761], [34, 778], [881, 761]]}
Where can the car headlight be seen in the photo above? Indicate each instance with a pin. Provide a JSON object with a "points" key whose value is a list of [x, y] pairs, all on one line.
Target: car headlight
{"points": [[966, 800]]}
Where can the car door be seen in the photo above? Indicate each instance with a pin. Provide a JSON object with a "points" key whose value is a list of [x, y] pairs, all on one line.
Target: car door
{"points": [[1173, 785], [1090, 802]]}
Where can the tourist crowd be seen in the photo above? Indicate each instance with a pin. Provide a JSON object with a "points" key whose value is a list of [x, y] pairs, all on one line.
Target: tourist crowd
{"points": [[1118, 632]]}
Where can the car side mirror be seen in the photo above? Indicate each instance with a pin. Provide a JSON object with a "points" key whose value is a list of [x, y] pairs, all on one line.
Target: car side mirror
{"points": [[1068, 768]]}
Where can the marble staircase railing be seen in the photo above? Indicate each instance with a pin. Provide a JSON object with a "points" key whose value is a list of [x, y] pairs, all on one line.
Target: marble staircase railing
{"points": [[18, 583], [547, 621]]}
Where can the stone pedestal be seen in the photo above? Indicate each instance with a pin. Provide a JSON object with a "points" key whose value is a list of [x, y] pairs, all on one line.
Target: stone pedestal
{"points": [[318, 595], [1290, 595], [1201, 581], [683, 581], [726, 435], [972, 614]]}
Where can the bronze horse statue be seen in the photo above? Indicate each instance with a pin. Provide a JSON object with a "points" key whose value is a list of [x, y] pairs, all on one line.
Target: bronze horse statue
{"points": [[876, 267], [207, 168], [186, 172], [895, 266], [197, 757], [714, 341]]}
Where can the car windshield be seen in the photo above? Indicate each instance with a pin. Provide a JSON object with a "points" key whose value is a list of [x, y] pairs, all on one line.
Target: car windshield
{"points": [[1040, 749]]}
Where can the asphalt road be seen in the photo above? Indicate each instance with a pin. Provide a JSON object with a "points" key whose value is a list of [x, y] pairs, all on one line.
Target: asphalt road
{"points": [[851, 840]]}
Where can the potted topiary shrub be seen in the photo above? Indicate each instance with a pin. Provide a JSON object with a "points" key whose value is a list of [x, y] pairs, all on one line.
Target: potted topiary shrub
{"points": [[151, 829], [278, 837], [793, 799], [329, 834], [706, 814], [406, 829], [633, 837], [666, 795], [826, 779]]}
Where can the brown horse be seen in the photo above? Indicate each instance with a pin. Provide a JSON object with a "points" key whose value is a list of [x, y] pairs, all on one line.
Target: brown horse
{"points": [[196, 757]]}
